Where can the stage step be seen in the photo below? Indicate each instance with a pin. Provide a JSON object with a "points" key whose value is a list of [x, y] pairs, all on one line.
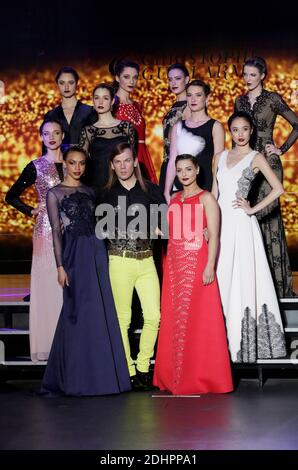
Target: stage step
{"points": [[14, 343], [282, 361], [13, 303], [27, 363], [14, 339], [14, 331]]}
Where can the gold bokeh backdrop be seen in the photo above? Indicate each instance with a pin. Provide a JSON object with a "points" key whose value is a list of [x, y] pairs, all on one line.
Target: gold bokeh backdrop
{"points": [[28, 96]]}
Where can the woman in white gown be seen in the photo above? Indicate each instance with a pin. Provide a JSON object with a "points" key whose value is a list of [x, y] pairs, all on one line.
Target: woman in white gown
{"points": [[249, 300]]}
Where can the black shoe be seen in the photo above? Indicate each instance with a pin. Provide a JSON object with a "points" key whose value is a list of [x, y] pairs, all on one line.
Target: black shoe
{"points": [[145, 379], [136, 384]]}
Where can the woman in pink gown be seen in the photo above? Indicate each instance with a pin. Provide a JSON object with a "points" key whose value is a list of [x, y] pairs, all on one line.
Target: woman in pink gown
{"points": [[126, 76], [45, 292], [192, 352]]}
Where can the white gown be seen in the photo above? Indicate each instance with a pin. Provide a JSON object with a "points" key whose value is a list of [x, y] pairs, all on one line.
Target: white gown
{"points": [[249, 300]]}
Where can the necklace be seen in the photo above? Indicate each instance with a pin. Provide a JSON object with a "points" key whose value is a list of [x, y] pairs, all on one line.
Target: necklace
{"points": [[183, 196]]}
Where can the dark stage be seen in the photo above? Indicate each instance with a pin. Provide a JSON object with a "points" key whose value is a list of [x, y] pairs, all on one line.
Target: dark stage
{"points": [[251, 418], [246, 419]]}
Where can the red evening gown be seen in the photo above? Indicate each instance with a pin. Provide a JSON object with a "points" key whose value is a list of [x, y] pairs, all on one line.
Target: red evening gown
{"points": [[132, 112], [192, 353]]}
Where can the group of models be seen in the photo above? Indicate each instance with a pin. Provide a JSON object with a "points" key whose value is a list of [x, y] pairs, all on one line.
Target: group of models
{"points": [[203, 324]]}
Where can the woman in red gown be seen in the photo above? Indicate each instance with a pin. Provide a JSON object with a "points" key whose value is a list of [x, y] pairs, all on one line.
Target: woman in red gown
{"points": [[126, 76], [192, 352]]}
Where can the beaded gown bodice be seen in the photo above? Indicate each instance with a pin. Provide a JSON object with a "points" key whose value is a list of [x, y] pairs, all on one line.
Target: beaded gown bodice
{"points": [[71, 213]]}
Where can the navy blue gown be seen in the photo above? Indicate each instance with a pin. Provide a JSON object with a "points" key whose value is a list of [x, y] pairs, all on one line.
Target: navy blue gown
{"points": [[87, 355]]}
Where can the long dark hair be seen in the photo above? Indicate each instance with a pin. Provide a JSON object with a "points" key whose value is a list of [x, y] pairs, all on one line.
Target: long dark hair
{"points": [[116, 67], [248, 118], [117, 150]]}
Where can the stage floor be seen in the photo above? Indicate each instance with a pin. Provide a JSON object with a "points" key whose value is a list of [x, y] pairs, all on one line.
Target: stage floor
{"points": [[249, 418], [246, 419]]}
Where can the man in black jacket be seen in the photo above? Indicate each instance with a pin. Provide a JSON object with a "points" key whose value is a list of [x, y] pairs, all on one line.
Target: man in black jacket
{"points": [[132, 222]]}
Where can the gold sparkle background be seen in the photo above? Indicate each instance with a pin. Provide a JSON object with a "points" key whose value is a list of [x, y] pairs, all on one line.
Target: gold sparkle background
{"points": [[28, 96]]}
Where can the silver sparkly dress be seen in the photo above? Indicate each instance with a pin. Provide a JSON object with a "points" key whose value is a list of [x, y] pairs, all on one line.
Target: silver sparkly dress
{"points": [[46, 293]]}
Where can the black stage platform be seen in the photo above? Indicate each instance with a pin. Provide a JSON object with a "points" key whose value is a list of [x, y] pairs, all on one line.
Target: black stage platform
{"points": [[246, 419]]}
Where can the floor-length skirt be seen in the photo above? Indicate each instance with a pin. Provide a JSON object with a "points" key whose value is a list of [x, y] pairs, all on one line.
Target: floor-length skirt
{"points": [[271, 225], [87, 356], [192, 353], [247, 291], [45, 297]]}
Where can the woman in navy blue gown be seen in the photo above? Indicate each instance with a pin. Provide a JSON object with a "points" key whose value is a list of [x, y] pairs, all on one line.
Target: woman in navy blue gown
{"points": [[87, 355]]}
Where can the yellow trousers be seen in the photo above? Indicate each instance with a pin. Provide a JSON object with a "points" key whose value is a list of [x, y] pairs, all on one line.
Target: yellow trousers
{"points": [[127, 274]]}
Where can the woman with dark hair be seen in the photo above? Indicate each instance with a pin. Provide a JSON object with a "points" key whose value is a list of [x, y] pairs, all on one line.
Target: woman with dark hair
{"points": [[178, 77], [264, 106], [192, 353], [247, 291], [46, 295], [99, 138], [126, 75], [199, 126], [72, 114], [87, 355]]}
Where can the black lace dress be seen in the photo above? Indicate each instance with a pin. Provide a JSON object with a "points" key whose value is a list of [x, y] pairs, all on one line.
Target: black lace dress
{"points": [[99, 142], [264, 113], [87, 355]]}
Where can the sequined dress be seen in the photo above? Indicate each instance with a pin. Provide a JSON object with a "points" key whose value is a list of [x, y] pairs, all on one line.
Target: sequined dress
{"points": [[45, 292], [132, 112], [248, 296], [192, 352], [87, 355]]}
